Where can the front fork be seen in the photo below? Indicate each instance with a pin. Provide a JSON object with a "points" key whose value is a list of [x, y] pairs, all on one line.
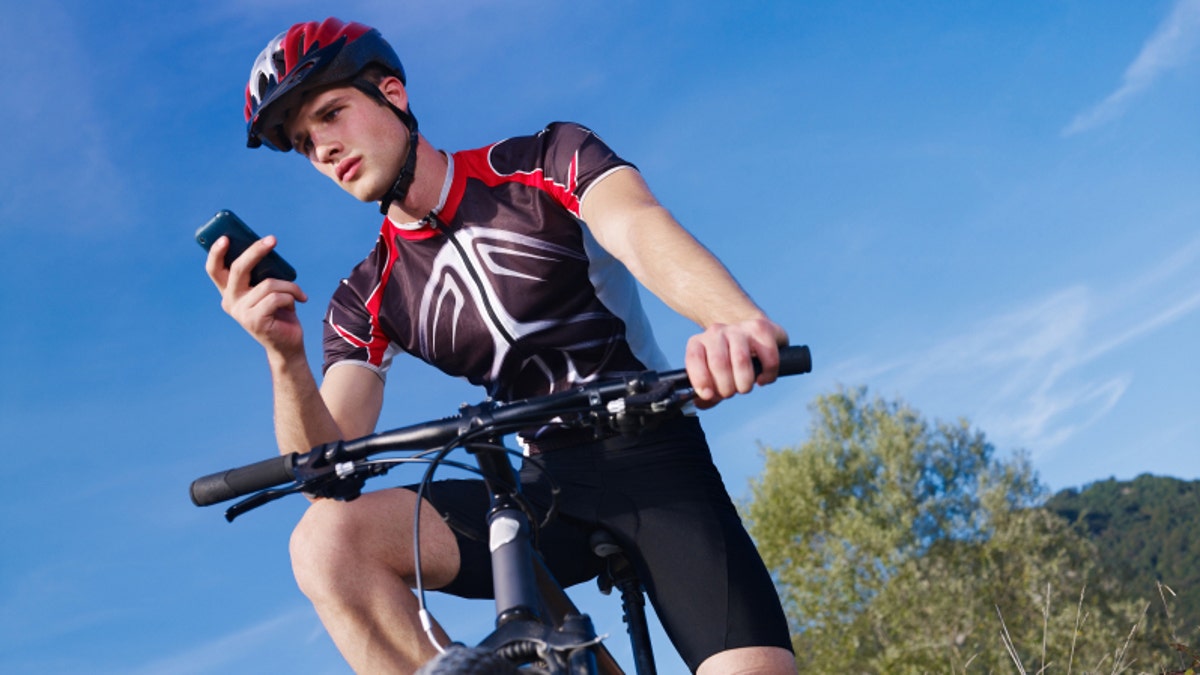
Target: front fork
{"points": [[534, 617]]}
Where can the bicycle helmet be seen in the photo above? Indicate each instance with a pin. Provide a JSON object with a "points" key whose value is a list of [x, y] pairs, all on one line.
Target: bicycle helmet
{"points": [[312, 55]]}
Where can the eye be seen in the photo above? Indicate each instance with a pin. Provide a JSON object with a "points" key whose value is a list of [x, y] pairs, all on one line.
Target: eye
{"points": [[301, 144]]}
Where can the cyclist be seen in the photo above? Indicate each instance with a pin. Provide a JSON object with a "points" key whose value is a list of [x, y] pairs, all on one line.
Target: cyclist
{"points": [[510, 266]]}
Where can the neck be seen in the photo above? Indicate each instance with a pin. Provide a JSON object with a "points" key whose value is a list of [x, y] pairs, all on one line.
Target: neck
{"points": [[426, 188]]}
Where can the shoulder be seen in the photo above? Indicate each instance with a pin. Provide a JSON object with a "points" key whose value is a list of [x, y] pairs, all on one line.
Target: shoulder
{"points": [[572, 134], [570, 147], [553, 135], [568, 130]]}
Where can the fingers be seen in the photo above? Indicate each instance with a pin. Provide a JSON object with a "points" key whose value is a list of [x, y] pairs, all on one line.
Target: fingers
{"points": [[264, 307], [239, 271], [215, 264], [267, 310], [234, 281], [720, 361], [264, 300], [765, 343]]}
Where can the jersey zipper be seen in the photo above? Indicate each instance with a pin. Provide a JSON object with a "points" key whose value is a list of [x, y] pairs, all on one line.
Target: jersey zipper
{"points": [[462, 253]]}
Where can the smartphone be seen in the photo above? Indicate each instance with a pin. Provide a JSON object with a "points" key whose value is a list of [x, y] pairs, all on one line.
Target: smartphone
{"points": [[225, 223]]}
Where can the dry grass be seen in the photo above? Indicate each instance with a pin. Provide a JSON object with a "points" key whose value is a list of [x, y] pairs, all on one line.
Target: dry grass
{"points": [[1120, 661]]}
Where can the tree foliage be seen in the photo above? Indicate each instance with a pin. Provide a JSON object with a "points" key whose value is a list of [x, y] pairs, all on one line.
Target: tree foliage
{"points": [[902, 546], [1149, 532]]}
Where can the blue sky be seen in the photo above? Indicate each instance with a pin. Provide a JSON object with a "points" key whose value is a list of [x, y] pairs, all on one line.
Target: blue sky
{"points": [[988, 209]]}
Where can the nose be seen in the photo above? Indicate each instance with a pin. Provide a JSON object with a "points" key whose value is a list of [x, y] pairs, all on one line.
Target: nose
{"points": [[325, 150]]}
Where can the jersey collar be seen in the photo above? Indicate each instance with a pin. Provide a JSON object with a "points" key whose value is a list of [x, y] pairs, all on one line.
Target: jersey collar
{"points": [[418, 230]]}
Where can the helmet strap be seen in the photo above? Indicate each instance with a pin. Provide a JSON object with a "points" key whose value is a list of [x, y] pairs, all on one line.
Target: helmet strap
{"points": [[399, 190]]}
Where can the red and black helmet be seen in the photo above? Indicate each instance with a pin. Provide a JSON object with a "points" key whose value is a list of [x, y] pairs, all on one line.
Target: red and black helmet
{"points": [[302, 58]]}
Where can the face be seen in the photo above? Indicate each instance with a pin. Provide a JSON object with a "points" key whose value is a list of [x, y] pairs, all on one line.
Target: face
{"points": [[352, 139]]}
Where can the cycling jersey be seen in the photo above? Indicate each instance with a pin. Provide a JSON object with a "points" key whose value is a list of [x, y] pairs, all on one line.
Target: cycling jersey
{"points": [[503, 285]]}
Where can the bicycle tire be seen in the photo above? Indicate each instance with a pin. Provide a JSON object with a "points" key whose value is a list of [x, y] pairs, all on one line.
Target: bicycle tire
{"points": [[468, 661]]}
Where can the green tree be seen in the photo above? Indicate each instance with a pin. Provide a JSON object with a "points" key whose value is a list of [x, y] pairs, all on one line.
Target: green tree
{"points": [[1149, 532], [897, 543]]}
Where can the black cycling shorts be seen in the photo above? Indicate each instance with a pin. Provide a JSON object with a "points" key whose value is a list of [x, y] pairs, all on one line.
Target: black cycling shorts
{"points": [[663, 500]]}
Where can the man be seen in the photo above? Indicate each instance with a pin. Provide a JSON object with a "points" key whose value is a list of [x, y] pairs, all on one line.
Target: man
{"points": [[499, 265]]}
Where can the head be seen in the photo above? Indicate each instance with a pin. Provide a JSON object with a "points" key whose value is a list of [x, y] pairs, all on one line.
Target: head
{"points": [[311, 57]]}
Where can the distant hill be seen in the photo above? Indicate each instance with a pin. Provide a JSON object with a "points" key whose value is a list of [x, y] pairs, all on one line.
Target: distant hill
{"points": [[1147, 530]]}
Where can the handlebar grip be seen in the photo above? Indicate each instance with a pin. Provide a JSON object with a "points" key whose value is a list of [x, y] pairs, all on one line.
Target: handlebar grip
{"points": [[795, 360], [219, 487]]}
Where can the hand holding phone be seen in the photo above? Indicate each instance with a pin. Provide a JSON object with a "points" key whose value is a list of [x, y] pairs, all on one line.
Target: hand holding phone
{"points": [[226, 224]]}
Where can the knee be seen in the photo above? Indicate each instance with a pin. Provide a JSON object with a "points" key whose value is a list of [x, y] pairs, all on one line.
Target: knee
{"points": [[329, 549], [343, 549], [750, 661]]}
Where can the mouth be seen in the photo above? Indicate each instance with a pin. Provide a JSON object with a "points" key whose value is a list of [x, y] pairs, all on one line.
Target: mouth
{"points": [[347, 169]]}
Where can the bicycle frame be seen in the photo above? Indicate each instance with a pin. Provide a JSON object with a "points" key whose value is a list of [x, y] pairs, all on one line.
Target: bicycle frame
{"points": [[531, 607], [534, 617]]}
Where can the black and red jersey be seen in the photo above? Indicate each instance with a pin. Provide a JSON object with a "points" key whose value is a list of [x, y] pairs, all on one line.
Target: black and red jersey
{"points": [[506, 287]]}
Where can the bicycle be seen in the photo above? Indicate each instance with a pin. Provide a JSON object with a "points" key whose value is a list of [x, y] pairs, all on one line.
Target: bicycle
{"points": [[538, 628]]}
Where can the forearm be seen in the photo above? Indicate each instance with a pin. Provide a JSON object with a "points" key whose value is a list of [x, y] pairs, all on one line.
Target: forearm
{"points": [[302, 419], [694, 283], [629, 222]]}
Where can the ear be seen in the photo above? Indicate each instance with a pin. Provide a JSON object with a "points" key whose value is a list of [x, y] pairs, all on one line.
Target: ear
{"points": [[393, 90]]}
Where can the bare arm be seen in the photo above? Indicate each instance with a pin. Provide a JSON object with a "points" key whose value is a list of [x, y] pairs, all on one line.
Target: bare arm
{"points": [[348, 404], [354, 397], [628, 221]]}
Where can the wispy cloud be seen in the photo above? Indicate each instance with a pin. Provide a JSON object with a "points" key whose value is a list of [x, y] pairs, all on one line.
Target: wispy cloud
{"points": [[1032, 377], [1015, 374], [1032, 373], [1171, 45], [222, 653]]}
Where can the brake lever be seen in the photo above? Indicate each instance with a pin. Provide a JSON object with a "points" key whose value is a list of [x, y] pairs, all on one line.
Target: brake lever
{"points": [[258, 499], [344, 483], [647, 402], [663, 397]]}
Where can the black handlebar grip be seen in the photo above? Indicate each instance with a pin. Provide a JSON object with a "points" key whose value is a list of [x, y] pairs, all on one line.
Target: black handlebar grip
{"points": [[795, 360], [226, 485]]}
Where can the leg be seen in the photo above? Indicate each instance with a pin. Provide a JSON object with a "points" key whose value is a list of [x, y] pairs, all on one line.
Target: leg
{"points": [[354, 562], [713, 595], [750, 661], [708, 584]]}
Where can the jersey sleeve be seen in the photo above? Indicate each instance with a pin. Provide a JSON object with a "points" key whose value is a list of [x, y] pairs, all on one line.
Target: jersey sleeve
{"points": [[352, 335], [577, 157], [564, 160]]}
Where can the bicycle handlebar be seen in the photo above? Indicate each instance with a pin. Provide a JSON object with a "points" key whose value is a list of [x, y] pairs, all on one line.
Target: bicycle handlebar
{"points": [[226, 485], [326, 461]]}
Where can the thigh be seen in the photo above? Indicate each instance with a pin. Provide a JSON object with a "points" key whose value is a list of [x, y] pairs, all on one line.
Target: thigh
{"points": [[707, 582], [700, 567], [464, 505]]}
